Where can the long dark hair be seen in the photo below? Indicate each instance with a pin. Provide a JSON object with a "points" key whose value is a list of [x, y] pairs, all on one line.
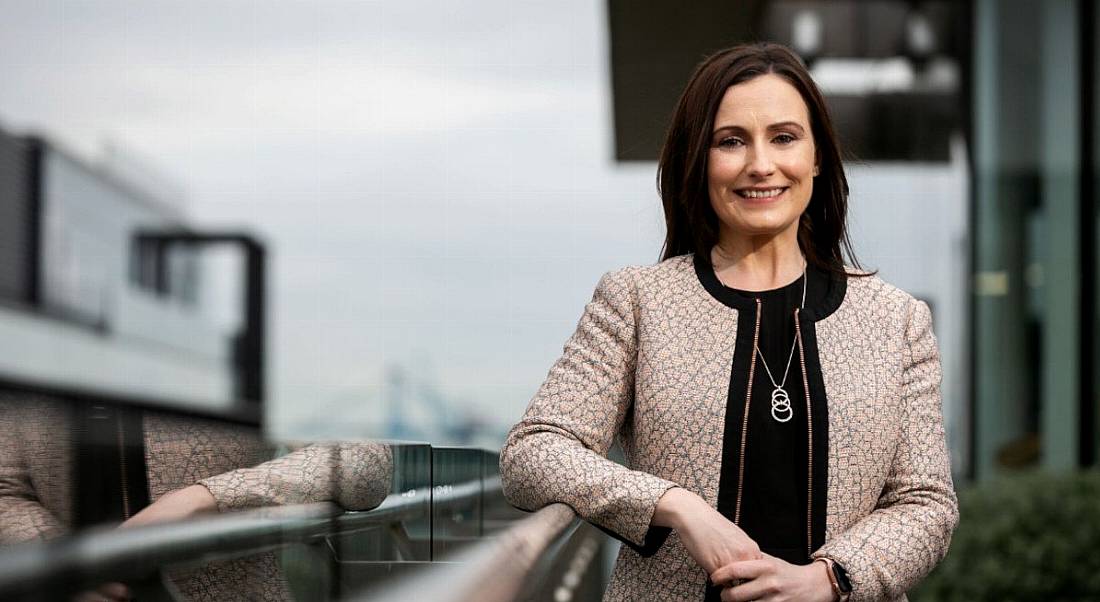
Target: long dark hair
{"points": [[692, 226]]}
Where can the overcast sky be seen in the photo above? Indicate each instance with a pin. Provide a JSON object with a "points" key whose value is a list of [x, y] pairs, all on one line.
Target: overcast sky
{"points": [[435, 179]]}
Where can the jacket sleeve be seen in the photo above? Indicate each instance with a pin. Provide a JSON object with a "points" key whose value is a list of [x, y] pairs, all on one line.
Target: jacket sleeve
{"points": [[558, 450], [22, 515], [357, 476], [908, 533]]}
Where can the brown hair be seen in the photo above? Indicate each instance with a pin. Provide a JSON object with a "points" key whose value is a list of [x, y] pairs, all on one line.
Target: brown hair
{"points": [[692, 226]]}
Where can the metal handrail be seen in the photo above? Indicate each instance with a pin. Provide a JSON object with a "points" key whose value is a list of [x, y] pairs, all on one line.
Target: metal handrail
{"points": [[400, 506], [130, 552], [493, 570], [118, 554]]}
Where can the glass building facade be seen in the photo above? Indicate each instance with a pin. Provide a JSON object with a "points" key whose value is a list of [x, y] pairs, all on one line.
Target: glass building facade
{"points": [[1035, 245]]}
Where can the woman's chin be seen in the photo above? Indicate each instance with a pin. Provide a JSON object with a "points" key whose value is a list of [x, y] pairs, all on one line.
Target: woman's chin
{"points": [[764, 226]]}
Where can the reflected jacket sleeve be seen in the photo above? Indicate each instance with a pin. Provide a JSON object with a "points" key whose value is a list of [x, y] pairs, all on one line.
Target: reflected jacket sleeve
{"points": [[557, 452], [357, 476], [908, 533], [22, 515]]}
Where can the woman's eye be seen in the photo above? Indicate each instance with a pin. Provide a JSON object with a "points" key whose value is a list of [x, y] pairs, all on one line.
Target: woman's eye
{"points": [[729, 142], [785, 138]]}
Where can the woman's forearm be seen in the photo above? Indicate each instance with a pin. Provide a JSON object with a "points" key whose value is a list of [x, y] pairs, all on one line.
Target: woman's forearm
{"points": [[673, 506]]}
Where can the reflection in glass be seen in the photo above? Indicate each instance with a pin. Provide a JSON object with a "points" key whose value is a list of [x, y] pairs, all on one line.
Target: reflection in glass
{"points": [[456, 515], [70, 466], [367, 548]]}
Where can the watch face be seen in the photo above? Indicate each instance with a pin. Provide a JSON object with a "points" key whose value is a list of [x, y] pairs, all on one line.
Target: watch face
{"points": [[842, 578]]}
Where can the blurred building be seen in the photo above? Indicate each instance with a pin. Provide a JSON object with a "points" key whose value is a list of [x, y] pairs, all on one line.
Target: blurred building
{"points": [[102, 289], [970, 136]]}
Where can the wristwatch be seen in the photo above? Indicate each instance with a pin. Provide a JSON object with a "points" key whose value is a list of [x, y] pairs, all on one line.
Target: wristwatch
{"points": [[838, 579]]}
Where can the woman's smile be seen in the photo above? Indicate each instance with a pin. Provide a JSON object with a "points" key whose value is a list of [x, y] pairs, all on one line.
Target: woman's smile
{"points": [[759, 194]]}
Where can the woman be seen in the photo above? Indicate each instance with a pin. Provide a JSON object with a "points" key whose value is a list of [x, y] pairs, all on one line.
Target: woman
{"points": [[779, 412]]}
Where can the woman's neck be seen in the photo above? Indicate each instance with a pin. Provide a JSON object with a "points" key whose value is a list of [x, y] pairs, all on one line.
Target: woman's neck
{"points": [[757, 264]]}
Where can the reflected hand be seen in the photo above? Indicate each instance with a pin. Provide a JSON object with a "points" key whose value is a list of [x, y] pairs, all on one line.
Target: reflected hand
{"points": [[108, 592], [175, 505], [774, 580], [172, 506]]}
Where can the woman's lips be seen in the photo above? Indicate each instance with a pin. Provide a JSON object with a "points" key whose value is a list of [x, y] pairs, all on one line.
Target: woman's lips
{"points": [[758, 195]]}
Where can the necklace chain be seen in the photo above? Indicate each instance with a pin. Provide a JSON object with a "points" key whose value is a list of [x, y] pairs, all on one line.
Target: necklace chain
{"points": [[781, 401]]}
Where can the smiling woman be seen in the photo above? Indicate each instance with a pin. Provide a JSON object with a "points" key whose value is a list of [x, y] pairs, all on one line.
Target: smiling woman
{"points": [[749, 475]]}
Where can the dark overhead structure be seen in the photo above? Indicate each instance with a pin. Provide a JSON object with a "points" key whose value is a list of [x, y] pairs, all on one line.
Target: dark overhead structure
{"points": [[892, 71]]}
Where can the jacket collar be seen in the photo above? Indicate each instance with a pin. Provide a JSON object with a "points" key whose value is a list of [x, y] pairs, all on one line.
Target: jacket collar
{"points": [[817, 308]]}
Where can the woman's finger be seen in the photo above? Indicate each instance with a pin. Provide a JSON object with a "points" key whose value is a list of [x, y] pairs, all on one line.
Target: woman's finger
{"points": [[741, 569], [746, 592], [96, 596], [114, 590], [107, 592]]}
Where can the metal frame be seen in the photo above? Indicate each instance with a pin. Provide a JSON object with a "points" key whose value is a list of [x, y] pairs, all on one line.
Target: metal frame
{"points": [[248, 349]]}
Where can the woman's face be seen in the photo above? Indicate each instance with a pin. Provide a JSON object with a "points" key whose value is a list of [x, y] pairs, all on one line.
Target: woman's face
{"points": [[762, 160]]}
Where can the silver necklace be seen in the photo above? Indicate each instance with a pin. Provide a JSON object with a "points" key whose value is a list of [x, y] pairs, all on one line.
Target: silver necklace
{"points": [[781, 401]]}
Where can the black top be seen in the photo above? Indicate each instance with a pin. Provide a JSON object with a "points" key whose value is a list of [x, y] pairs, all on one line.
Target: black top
{"points": [[778, 474], [773, 505], [109, 463]]}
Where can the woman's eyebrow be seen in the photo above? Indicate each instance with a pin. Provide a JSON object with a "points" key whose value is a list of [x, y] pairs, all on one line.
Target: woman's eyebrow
{"points": [[775, 126]]}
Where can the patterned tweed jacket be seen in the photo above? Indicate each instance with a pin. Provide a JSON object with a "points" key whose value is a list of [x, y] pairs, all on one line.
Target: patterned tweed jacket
{"points": [[36, 483], [650, 362]]}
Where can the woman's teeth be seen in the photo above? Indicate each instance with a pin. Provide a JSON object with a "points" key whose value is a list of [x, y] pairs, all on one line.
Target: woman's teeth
{"points": [[761, 194]]}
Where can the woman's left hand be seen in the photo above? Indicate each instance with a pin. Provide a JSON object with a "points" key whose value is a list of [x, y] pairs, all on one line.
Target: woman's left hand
{"points": [[773, 580]]}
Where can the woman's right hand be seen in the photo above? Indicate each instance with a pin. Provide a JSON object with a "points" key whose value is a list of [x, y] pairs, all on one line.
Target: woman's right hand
{"points": [[710, 538]]}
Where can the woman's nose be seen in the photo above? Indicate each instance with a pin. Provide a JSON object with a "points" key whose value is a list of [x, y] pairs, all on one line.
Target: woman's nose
{"points": [[760, 162]]}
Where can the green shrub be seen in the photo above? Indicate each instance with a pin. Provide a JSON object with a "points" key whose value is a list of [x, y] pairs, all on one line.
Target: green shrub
{"points": [[1023, 538]]}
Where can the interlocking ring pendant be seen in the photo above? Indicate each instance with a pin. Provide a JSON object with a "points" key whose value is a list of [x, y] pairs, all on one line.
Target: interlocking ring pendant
{"points": [[781, 405]]}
